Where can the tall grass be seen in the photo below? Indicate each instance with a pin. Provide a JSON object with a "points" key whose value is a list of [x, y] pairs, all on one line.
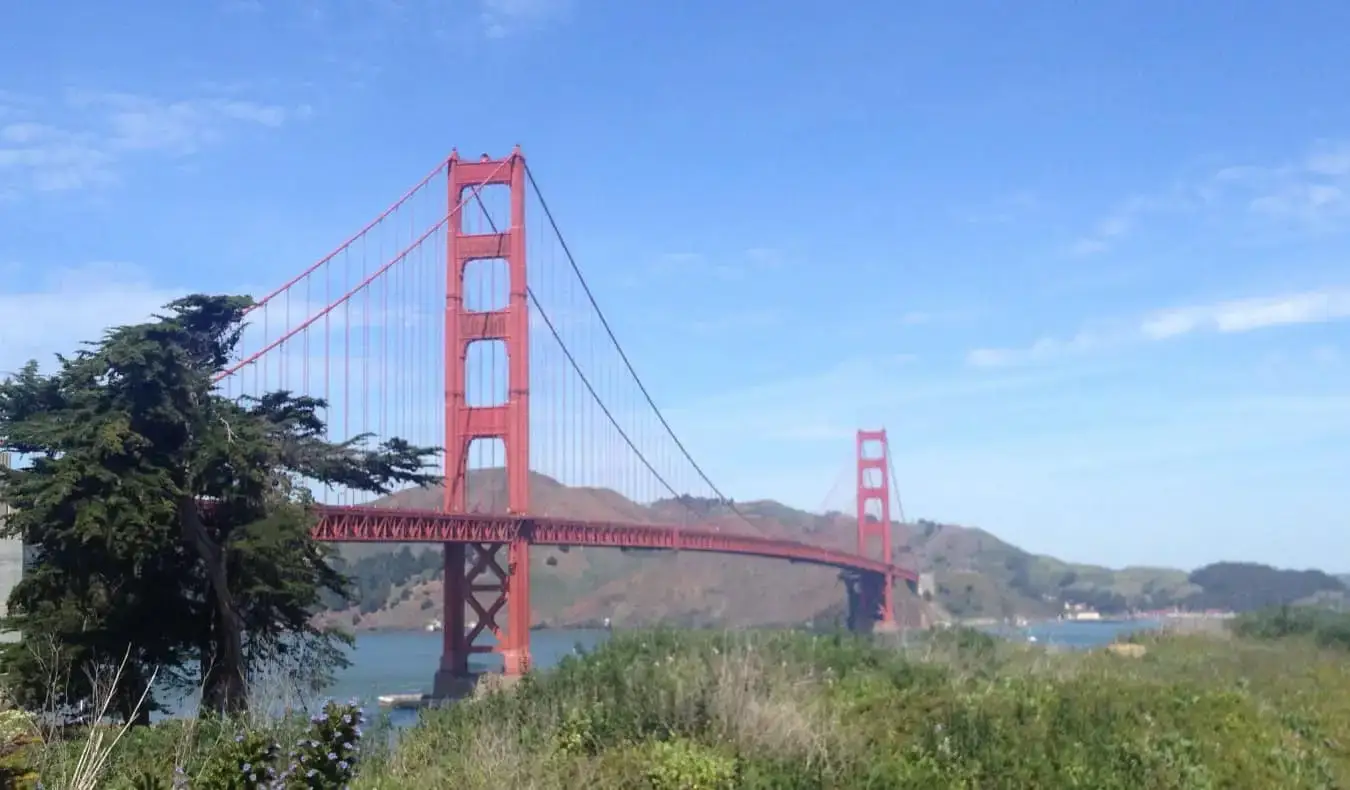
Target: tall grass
{"points": [[679, 710], [270, 747], [663, 710]]}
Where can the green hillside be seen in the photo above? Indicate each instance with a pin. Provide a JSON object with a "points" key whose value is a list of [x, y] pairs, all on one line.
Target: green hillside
{"points": [[974, 574]]}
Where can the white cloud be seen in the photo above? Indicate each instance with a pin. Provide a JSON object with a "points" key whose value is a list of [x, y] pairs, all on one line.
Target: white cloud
{"points": [[1246, 315], [1303, 202], [82, 141], [1226, 317], [1125, 218], [49, 159], [1311, 192], [74, 305], [142, 123], [1043, 349]]}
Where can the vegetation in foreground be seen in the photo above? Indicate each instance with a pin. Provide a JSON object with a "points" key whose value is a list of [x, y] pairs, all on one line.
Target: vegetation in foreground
{"points": [[169, 524], [667, 710]]}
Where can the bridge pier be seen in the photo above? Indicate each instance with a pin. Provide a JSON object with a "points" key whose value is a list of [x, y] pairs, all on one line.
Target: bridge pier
{"points": [[472, 569], [869, 602]]}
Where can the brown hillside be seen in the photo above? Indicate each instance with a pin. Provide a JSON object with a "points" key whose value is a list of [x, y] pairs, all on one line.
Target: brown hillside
{"points": [[975, 573], [585, 585]]}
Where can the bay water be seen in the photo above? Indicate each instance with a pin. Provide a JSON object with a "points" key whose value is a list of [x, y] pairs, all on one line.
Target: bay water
{"points": [[404, 662]]}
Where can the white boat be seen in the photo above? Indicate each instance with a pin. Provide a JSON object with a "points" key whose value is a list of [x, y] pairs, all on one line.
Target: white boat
{"points": [[402, 701]]}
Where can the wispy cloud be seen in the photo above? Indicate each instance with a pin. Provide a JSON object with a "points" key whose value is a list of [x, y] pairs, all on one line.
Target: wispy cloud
{"points": [[741, 321], [84, 140], [1311, 192], [72, 306], [1126, 217], [37, 156], [1004, 209], [729, 268], [1225, 317], [502, 18], [1246, 315], [1045, 348], [142, 123], [1314, 193]]}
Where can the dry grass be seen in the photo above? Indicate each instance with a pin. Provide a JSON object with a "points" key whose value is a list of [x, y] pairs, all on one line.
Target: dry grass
{"points": [[91, 762], [668, 710], [699, 710]]}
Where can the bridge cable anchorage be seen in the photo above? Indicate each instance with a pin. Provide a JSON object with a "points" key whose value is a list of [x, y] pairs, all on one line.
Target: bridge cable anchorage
{"points": [[604, 322], [586, 382], [361, 286]]}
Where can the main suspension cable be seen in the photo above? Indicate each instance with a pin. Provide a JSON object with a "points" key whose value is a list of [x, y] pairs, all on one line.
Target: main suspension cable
{"points": [[567, 251]]}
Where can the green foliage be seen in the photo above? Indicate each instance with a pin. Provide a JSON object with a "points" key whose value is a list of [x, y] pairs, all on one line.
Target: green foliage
{"points": [[1325, 627], [18, 740], [682, 764], [220, 753], [990, 578], [782, 711], [245, 763], [374, 576], [327, 756], [170, 526], [1248, 586], [958, 709]]}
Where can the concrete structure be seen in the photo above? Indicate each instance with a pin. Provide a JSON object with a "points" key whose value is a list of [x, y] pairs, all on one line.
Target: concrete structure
{"points": [[11, 563]]}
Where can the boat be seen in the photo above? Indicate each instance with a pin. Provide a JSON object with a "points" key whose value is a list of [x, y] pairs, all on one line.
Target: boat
{"points": [[403, 701]]}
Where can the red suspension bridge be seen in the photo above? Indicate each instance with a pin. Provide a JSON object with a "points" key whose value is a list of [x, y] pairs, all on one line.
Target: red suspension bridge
{"points": [[437, 324]]}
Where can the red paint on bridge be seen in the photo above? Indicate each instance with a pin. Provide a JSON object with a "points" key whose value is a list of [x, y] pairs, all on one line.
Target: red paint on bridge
{"points": [[386, 525], [366, 345]]}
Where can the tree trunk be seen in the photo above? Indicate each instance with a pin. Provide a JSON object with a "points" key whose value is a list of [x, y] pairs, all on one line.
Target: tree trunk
{"points": [[223, 685]]}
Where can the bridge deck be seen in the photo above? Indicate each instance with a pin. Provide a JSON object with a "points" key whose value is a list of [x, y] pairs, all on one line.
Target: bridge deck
{"points": [[387, 525]]}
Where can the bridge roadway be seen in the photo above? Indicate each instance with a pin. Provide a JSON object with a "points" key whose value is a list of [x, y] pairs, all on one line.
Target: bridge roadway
{"points": [[388, 525]]}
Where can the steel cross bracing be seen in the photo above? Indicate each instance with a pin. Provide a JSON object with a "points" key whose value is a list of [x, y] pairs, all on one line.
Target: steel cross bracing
{"points": [[384, 331], [386, 525]]}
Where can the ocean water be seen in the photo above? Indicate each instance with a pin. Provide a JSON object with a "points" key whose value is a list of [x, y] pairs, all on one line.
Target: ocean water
{"points": [[404, 662], [401, 662], [1080, 635]]}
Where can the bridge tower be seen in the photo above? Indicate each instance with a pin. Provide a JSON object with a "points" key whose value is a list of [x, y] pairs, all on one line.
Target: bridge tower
{"points": [[473, 569], [872, 601]]}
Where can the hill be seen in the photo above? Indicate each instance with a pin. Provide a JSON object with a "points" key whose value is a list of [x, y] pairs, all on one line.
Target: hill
{"points": [[973, 573]]}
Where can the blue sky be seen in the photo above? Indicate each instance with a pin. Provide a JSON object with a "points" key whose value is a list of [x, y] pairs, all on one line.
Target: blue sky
{"points": [[1087, 263]]}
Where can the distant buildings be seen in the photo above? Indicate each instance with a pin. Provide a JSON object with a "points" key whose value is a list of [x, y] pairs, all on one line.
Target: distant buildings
{"points": [[11, 563], [1079, 611]]}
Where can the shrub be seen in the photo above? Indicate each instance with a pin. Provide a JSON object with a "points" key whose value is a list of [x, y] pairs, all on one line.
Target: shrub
{"points": [[790, 711]]}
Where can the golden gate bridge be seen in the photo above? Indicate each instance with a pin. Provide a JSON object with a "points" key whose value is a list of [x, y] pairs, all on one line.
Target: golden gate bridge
{"points": [[459, 318]]}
